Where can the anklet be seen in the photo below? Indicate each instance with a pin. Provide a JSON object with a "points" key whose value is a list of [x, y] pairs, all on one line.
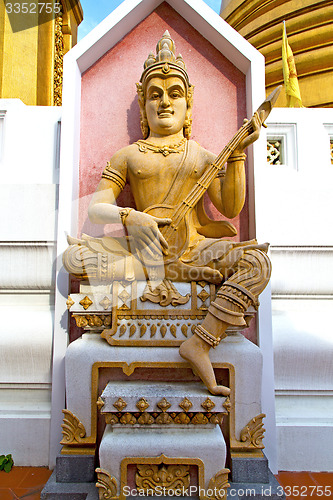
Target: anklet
{"points": [[207, 337]]}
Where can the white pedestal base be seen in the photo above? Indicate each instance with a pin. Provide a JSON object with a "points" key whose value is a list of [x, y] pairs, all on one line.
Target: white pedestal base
{"points": [[120, 445]]}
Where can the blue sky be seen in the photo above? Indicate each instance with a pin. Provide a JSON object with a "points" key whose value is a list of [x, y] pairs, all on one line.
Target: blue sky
{"points": [[95, 11]]}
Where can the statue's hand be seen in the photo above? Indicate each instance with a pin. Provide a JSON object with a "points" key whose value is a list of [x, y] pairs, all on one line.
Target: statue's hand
{"points": [[144, 229], [250, 139]]}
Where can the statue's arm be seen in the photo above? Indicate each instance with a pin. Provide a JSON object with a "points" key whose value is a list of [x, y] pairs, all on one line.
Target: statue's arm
{"points": [[143, 227], [228, 193], [102, 208]]}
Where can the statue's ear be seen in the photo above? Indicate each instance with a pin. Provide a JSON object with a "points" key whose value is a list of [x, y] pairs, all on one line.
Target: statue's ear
{"points": [[143, 114], [188, 116]]}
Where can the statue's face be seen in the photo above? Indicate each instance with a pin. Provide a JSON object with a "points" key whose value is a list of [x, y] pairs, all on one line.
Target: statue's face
{"points": [[166, 105]]}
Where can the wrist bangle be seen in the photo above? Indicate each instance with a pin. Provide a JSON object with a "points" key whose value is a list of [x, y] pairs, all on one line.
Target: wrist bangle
{"points": [[239, 157], [124, 213]]}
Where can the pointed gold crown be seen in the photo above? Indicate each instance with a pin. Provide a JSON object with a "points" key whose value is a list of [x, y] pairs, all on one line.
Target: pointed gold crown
{"points": [[165, 62]]}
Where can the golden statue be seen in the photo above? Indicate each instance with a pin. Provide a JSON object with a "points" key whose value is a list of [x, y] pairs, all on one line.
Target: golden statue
{"points": [[169, 234]]}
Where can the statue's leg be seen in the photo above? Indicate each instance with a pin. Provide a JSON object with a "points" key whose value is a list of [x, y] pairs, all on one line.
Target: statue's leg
{"points": [[250, 277]]}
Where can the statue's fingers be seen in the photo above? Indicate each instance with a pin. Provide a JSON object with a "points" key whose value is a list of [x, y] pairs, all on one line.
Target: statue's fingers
{"points": [[162, 221]]}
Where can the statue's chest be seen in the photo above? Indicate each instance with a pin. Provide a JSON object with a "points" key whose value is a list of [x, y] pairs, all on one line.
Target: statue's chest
{"points": [[155, 166]]}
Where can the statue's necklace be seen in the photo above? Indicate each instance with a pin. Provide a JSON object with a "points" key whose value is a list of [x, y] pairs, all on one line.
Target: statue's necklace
{"points": [[145, 146]]}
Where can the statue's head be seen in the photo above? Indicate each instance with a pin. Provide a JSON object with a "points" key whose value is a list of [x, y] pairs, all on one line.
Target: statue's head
{"points": [[165, 70]]}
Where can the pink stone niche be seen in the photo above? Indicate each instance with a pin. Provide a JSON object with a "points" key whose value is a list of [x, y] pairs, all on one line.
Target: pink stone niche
{"points": [[110, 112]]}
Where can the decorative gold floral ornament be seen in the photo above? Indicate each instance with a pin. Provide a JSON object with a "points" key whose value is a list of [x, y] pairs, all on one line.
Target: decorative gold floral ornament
{"points": [[227, 404], [120, 404], [208, 405], [70, 302], [100, 403], [219, 485], [107, 485], [199, 419], [186, 404], [85, 303], [182, 418], [142, 404], [128, 419], [253, 432], [164, 294], [73, 430], [169, 477], [164, 419], [164, 404], [58, 58], [145, 419]]}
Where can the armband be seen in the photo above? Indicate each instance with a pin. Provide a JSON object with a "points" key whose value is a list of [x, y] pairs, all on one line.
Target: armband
{"points": [[113, 175], [239, 157]]}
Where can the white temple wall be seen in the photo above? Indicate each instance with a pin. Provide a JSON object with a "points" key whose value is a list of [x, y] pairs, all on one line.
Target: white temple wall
{"points": [[29, 150], [294, 204]]}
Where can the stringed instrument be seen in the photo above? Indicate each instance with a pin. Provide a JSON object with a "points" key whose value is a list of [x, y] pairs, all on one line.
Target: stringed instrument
{"points": [[177, 233]]}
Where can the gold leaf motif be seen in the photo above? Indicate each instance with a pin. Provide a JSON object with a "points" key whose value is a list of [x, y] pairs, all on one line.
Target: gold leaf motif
{"points": [[81, 321], [100, 403], [173, 330], [153, 330], [182, 418], [86, 303], [150, 478], [128, 419], [203, 295], [163, 419], [142, 404], [202, 283], [73, 430], [132, 330], [164, 404], [107, 320], [219, 485], [122, 330], [199, 419], [105, 303], [253, 432], [186, 404], [184, 330], [164, 294], [111, 418], [107, 485], [58, 58], [227, 404], [143, 330], [120, 404], [145, 419], [216, 419], [208, 405], [70, 302], [163, 330]]}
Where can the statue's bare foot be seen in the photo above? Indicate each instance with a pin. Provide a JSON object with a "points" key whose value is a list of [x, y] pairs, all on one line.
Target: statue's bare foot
{"points": [[196, 352]]}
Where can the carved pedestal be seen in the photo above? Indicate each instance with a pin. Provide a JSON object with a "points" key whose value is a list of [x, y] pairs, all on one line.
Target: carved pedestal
{"points": [[161, 438], [155, 430]]}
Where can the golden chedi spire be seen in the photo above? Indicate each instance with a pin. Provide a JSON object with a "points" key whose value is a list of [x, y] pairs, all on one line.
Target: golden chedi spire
{"points": [[310, 34]]}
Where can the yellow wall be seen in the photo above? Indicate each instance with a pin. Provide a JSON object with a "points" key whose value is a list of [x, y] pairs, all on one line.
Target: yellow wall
{"points": [[310, 34], [27, 56]]}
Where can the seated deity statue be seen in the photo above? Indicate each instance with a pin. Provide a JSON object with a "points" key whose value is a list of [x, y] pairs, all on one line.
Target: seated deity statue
{"points": [[169, 235]]}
